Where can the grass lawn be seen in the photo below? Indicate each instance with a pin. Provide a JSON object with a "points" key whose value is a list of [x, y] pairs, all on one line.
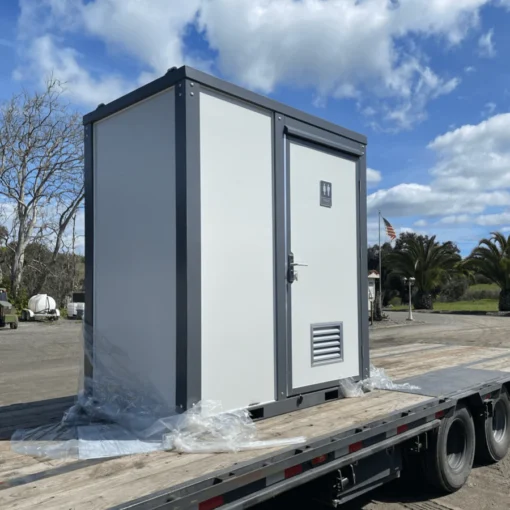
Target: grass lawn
{"points": [[484, 286], [480, 305]]}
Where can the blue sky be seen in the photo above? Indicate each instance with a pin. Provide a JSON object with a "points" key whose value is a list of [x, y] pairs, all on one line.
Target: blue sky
{"points": [[428, 81]]}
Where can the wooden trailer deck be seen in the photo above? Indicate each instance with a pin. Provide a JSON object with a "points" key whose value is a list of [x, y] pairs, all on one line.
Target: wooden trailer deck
{"points": [[27, 483]]}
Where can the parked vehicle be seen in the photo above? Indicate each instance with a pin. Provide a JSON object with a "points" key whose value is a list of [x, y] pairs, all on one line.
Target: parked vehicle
{"points": [[7, 311], [76, 307], [40, 307]]}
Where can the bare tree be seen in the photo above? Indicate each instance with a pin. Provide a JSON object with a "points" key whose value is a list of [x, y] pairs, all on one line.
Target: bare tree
{"points": [[41, 165], [69, 202]]}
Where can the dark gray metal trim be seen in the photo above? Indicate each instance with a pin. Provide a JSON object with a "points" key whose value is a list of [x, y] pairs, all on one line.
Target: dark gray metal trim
{"points": [[329, 385], [188, 240], [270, 104], [310, 475], [173, 77], [280, 257], [89, 253], [170, 79], [313, 396], [288, 244], [314, 133], [361, 207], [326, 142]]}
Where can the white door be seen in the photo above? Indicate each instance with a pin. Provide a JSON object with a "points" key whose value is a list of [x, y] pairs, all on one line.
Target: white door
{"points": [[322, 288]]}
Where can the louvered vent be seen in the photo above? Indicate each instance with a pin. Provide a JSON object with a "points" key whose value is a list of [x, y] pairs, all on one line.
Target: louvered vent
{"points": [[327, 343]]}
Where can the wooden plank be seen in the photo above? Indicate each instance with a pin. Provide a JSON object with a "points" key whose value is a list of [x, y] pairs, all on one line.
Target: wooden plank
{"points": [[502, 364], [131, 477], [435, 360]]}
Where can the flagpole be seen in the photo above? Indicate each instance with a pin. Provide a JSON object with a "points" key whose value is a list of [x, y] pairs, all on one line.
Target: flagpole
{"points": [[380, 265]]}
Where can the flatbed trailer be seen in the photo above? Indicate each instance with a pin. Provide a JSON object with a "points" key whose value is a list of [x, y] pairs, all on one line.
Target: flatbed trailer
{"points": [[353, 444]]}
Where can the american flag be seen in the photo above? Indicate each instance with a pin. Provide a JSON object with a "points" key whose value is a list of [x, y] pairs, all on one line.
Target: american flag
{"points": [[390, 231]]}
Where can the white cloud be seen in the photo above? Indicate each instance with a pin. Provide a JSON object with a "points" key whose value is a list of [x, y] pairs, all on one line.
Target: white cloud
{"points": [[373, 177], [488, 109], [455, 219], [469, 69], [471, 175], [49, 57], [474, 157], [368, 50], [426, 200], [153, 35], [421, 223], [486, 45], [493, 219], [322, 44]]}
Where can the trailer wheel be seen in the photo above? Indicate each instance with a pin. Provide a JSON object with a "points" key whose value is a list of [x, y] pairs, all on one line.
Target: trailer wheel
{"points": [[451, 454], [493, 432], [14, 325]]}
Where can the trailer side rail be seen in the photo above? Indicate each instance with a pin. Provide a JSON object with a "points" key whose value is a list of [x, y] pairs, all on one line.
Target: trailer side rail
{"points": [[255, 481]]}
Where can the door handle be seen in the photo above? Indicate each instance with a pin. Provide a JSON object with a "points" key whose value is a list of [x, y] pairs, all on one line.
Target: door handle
{"points": [[291, 274]]}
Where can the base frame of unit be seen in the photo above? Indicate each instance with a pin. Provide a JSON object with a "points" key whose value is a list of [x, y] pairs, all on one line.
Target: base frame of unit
{"points": [[297, 402]]}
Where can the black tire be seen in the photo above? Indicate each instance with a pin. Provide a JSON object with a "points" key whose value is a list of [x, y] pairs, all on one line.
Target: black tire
{"points": [[14, 325], [493, 433], [451, 453]]}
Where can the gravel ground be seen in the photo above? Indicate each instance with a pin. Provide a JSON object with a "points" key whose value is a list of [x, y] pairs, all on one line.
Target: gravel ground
{"points": [[39, 361]]}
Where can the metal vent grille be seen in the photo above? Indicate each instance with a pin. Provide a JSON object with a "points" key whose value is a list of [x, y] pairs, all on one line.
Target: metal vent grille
{"points": [[327, 343]]}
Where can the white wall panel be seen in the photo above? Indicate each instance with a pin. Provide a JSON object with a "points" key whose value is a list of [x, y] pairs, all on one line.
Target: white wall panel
{"points": [[134, 251], [237, 253]]}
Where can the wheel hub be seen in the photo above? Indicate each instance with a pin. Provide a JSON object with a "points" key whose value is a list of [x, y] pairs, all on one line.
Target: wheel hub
{"points": [[456, 445], [499, 421]]}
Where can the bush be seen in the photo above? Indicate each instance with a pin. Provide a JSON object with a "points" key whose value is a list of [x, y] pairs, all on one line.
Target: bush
{"points": [[476, 294], [480, 279], [453, 290]]}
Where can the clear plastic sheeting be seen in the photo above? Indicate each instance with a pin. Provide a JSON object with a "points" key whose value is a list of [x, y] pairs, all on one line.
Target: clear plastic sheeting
{"points": [[205, 428], [120, 413], [378, 380]]}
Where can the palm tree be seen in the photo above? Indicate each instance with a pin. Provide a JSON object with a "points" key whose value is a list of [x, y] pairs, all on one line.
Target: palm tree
{"points": [[491, 258], [429, 262]]}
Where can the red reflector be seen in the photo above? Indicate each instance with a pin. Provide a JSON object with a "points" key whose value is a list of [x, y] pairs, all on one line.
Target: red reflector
{"points": [[319, 460], [293, 471], [401, 429], [355, 447], [212, 503], [439, 414]]}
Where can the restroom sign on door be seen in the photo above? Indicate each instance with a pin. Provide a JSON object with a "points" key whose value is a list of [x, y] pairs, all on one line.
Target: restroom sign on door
{"points": [[325, 194]]}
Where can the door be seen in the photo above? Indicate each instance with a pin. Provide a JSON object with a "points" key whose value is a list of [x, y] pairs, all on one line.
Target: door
{"points": [[322, 262]]}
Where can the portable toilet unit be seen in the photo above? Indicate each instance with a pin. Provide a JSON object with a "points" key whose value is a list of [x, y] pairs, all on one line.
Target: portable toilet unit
{"points": [[228, 231]]}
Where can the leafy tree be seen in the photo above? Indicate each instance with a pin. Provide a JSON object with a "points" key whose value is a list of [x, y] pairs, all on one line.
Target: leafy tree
{"points": [[491, 258], [428, 261]]}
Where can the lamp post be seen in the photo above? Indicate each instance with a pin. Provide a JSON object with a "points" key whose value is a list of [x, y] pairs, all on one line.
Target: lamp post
{"points": [[410, 281]]}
